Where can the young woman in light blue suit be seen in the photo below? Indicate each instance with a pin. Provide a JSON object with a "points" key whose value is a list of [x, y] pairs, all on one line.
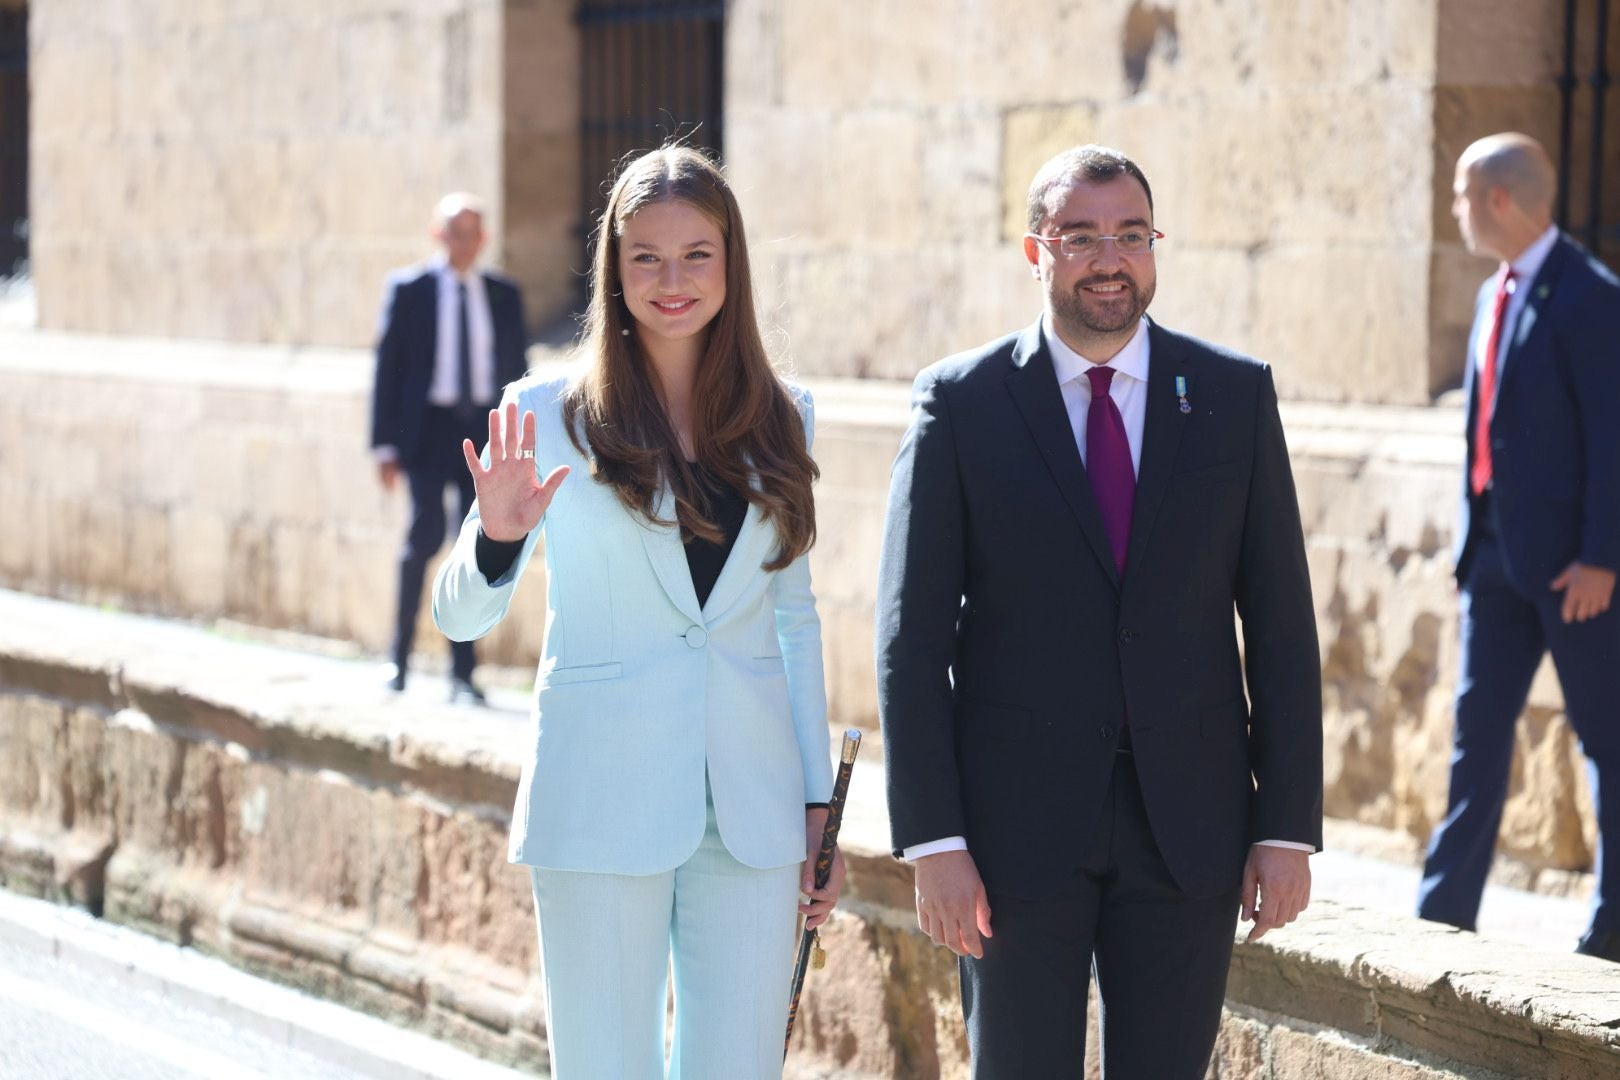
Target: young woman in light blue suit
{"points": [[680, 761]]}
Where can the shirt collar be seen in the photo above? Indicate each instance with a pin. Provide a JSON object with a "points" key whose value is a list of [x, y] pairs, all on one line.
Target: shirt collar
{"points": [[441, 266], [1528, 264], [1132, 360]]}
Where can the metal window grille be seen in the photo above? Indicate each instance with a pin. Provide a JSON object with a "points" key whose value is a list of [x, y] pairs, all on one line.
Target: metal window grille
{"points": [[13, 142], [650, 71], [1587, 32]]}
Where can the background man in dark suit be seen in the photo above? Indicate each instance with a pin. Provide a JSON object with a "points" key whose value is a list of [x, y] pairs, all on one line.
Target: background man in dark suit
{"points": [[451, 337], [1074, 513], [1539, 534]]}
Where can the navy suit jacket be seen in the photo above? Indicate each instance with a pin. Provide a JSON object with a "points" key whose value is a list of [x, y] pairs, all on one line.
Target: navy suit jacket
{"points": [[1009, 649], [407, 341], [1555, 430]]}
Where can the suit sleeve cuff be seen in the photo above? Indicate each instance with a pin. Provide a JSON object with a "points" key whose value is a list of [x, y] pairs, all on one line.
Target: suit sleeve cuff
{"points": [[1289, 844], [933, 847], [384, 454]]}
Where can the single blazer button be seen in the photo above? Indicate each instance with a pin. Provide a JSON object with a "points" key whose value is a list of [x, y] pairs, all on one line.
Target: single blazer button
{"points": [[1106, 731], [696, 636], [1125, 636]]}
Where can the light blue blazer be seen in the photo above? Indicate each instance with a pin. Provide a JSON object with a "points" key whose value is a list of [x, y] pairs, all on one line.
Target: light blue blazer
{"points": [[640, 689]]}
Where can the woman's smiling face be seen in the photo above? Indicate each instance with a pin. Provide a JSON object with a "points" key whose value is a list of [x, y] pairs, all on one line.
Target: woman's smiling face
{"points": [[672, 267]]}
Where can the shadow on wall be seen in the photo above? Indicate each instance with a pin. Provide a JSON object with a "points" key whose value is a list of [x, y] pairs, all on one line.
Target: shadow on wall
{"points": [[1148, 29]]}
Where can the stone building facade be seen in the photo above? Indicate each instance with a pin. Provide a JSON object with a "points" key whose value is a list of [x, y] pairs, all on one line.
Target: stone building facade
{"points": [[249, 171], [245, 171]]}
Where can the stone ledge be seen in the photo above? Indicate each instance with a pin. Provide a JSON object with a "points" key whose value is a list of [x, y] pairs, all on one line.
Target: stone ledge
{"points": [[268, 811]]}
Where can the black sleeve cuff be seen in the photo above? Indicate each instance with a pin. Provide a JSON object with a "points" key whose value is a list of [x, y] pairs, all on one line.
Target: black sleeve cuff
{"points": [[817, 806], [495, 557]]}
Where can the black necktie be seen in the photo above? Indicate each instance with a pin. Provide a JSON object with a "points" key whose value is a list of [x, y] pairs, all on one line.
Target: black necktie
{"points": [[464, 394]]}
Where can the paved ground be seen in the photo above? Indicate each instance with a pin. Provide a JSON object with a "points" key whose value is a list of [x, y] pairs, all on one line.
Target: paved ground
{"points": [[87, 1000]]}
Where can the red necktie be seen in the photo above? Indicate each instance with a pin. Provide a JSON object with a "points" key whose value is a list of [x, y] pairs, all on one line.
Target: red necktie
{"points": [[1479, 477], [1108, 463]]}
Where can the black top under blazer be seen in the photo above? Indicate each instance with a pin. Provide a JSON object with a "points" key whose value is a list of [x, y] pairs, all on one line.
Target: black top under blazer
{"points": [[1009, 650]]}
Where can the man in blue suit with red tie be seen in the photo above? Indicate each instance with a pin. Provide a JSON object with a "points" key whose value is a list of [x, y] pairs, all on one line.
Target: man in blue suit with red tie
{"points": [[1539, 534], [451, 337]]}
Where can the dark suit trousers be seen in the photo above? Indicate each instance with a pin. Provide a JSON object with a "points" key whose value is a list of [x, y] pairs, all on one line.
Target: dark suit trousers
{"points": [[438, 465], [1505, 633], [1160, 958]]}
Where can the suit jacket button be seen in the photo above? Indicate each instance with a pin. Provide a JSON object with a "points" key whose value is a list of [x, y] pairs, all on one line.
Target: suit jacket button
{"points": [[696, 636], [1125, 635], [1107, 731]]}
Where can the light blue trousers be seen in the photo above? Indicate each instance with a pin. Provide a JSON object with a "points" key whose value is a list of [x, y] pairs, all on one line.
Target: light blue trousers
{"points": [[606, 943]]}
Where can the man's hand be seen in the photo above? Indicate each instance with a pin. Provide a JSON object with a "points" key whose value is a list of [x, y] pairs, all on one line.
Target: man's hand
{"points": [[1282, 878], [951, 904], [1587, 591], [388, 474]]}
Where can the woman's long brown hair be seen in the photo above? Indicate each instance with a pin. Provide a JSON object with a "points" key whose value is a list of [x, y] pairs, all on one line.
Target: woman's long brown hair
{"points": [[744, 422]]}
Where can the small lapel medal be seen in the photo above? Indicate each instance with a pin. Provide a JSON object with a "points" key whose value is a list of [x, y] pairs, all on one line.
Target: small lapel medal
{"points": [[1181, 392]]}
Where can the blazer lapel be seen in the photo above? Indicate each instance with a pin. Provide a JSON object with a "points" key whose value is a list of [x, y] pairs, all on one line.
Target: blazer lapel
{"points": [[1034, 389], [1161, 435], [668, 556], [1541, 292]]}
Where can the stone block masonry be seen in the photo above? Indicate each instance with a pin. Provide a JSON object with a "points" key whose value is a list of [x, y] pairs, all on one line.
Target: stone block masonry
{"points": [[276, 810], [251, 172]]}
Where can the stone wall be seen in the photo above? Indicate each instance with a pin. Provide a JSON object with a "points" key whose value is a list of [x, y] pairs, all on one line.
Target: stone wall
{"points": [[212, 482], [883, 154], [540, 155], [1379, 490], [274, 809], [250, 172]]}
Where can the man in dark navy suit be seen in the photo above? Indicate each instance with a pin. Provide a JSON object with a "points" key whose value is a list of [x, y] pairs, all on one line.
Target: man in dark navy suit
{"points": [[1074, 768], [1538, 539], [451, 337]]}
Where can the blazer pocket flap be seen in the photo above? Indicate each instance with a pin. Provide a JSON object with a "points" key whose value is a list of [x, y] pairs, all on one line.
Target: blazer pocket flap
{"points": [[584, 673], [768, 665], [997, 721]]}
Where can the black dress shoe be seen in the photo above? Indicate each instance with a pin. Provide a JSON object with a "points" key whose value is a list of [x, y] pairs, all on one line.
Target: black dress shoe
{"points": [[396, 678], [1603, 944], [463, 691]]}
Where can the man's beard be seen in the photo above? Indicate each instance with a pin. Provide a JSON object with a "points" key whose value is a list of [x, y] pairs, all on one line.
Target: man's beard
{"points": [[1076, 309]]}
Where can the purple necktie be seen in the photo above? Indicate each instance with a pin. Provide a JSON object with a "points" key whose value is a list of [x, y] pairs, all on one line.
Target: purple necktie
{"points": [[1108, 463]]}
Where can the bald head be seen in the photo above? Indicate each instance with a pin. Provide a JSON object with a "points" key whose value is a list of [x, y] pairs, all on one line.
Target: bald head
{"points": [[1517, 164], [458, 226], [1503, 194]]}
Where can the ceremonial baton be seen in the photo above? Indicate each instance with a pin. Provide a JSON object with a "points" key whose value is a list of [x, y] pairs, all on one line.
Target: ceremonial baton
{"points": [[810, 940]]}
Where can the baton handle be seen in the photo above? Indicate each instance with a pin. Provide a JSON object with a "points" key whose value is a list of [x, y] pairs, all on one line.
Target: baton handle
{"points": [[823, 868]]}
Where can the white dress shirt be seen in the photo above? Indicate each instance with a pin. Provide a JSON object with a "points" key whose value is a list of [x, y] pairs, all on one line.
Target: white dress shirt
{"points": [[1525, 269], [445, 389], [1129, 391]]}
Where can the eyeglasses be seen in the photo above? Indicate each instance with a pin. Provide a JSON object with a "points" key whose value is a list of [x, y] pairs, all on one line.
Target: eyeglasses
{"points": [[1075, 244]]}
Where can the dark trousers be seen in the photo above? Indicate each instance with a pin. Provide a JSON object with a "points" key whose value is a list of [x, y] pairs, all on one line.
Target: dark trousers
{"points": [[1160, 958], [1505, 633], [438, 464]]}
